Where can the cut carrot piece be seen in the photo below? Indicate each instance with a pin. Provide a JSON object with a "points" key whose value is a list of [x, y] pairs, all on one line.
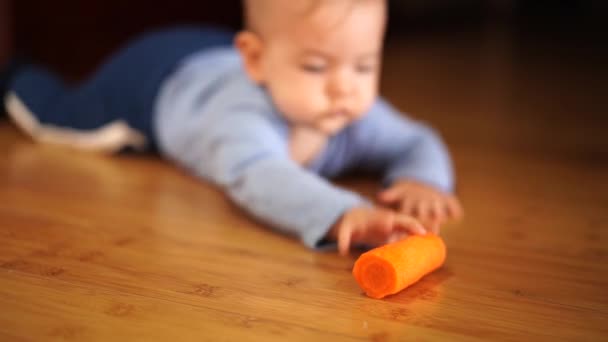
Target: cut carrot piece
{"points": [[391, 268]]}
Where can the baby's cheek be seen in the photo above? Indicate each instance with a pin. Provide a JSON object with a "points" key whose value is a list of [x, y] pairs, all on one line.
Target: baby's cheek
{"points": [[367, 99], [308, 101], [299, 99], [294, 105]]}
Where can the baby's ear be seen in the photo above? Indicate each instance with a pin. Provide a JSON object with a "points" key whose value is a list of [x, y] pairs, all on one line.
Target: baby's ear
{"points": [[250, 47]]}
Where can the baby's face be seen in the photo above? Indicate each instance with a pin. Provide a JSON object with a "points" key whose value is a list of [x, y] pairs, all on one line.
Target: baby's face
{"points": [[322, 70]]}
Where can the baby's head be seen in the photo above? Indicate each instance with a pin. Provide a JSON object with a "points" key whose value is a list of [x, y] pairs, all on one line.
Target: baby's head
{"points": [[318, 59]]}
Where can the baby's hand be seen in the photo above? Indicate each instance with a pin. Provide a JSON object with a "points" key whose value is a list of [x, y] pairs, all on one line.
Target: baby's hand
{"points": [[372, 226], [430, 206]]}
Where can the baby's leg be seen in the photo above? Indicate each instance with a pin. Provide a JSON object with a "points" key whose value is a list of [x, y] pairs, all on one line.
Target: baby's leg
{"points": [[114, 108], [51, 112]]}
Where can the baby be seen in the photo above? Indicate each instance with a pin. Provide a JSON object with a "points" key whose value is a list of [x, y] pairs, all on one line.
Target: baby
{"points": [[268, 115]]}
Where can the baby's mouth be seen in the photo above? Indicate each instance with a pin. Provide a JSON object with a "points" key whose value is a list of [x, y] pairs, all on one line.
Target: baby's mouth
{"points": [[339, 113]]}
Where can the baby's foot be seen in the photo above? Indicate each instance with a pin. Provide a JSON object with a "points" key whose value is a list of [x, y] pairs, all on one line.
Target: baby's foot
{"points": [[7, 73]]}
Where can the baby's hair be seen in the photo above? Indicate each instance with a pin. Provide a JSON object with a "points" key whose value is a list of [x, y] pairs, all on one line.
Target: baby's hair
{"points": [[254, 11]]}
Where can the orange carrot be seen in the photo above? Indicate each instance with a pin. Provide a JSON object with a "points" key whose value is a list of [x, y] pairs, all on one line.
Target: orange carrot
{"points": [[391, 268]]}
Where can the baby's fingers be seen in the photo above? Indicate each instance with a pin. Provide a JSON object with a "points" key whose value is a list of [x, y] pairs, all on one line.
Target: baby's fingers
{"points": [[407, 206], [454, 208], [433, 226], [438, 210], [437, 216], [408, 224], [397, 237], [344, 239], [390, 195], [423, 208]]}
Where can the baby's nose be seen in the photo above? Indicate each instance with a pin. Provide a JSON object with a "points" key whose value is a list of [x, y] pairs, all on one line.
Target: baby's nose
{"points": [[340, 85]]}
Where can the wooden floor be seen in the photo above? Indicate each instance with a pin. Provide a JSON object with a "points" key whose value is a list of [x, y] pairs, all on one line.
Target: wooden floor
{"points": [[130, 248]]}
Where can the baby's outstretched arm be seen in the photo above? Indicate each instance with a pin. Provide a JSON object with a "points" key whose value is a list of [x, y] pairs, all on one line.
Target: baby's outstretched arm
{"points": [[247, 157]]}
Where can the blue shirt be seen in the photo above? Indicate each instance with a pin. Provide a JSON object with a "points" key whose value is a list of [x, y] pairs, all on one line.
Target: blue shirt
{"points": [[210, 118]]}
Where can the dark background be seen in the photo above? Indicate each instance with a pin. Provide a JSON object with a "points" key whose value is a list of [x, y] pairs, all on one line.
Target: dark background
{"points": [[73, 36], [534, 61]]}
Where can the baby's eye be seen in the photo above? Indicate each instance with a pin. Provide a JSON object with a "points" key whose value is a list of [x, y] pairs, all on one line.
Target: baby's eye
{"points": [[313, 68], [365, 68]]}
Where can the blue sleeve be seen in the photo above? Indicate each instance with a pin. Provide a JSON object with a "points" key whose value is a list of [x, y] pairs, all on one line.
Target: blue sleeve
{"points": [[403, 148], [248, 158]]}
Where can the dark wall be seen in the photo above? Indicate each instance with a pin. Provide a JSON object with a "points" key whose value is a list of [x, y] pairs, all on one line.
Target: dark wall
{"points": [[6, 26], [73, 36]]}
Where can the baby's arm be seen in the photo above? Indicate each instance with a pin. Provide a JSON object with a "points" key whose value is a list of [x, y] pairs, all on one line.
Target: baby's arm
{"points": [[416, 166], [245, 155]]}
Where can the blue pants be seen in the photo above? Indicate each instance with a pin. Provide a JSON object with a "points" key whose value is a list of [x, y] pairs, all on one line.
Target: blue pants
{"points": [[125, 87]]}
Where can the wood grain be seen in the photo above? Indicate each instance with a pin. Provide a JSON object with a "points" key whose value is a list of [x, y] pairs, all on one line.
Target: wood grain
{"points": [[131, 248]]}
